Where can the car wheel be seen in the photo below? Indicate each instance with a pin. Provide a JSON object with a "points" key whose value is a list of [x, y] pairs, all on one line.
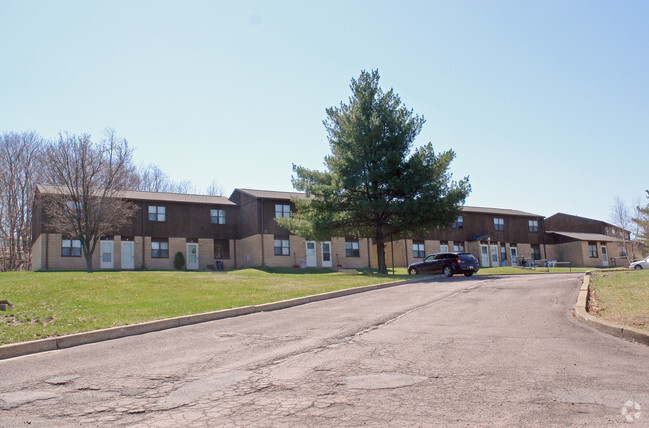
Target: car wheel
{"points": [[637, 267], [412, 271], [448, 272], [468, 274]]}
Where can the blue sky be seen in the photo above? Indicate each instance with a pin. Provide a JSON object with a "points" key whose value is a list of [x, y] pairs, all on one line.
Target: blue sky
{"points": [[546, 103]]}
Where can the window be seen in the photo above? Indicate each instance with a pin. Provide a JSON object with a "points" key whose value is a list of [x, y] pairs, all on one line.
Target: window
{"points": [[159, 249], [622, 250], [536, 252], [503, 252], [281, 247], [459, 223], [157, 213], [592, 250], [418, 251], [217, 216], [534, 225], [351, 248], [70, 248], [458, 247], [222, 249], [443, 247], [282, 211], [499, 224]]}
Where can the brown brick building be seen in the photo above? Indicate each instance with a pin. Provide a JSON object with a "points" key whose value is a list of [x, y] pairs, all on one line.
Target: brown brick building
{"points": [[241, 231]]}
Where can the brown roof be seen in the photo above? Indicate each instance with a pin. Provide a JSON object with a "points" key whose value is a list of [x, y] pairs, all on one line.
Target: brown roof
{"points": [[271, 194], [587, 236], [500, 211], [154, 196]]}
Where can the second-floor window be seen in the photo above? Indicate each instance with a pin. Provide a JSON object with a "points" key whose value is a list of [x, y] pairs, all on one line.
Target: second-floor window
{"points": [[157, 213], [533, 225], [217, 216], [459, 223], [499, 223], [282, 210]]}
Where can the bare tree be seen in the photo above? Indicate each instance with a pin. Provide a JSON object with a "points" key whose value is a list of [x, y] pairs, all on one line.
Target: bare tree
{"points": [[85, 202], [19, 166], [154, 179], [621, 217], [214, 189], [641, 220]]}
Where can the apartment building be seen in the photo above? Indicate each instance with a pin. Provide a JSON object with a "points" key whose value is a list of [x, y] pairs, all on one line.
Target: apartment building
{"points": [[241, 231], [203, 228], [586, 242]]}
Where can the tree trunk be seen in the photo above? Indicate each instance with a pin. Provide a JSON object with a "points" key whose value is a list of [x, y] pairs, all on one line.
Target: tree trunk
{"points": [[380, 251], [87, 254]]}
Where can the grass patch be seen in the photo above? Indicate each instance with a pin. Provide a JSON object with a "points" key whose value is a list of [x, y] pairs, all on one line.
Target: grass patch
{"points": [[621, 296], [50, 304]]}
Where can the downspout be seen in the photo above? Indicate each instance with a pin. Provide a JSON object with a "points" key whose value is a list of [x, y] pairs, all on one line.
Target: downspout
{"points": [[545, 253], [405, 246], [392, 252], [47, 241], [235, 245], [143, 240], [261, 230]]}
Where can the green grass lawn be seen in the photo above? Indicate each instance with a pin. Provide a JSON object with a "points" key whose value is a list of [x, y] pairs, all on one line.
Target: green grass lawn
{"points": [[50, 304], [621, 296], [56, 303]]}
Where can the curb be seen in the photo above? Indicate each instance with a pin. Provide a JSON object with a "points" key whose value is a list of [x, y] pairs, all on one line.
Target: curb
{"points": [[50, 344], [614, 329]]}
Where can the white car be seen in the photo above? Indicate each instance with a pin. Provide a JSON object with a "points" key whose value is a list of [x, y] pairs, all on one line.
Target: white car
{"points": [[640, 264]]}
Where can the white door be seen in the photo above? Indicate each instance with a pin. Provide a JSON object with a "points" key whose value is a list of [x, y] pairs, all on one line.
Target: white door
{"points": [[494, 255], [311, 258], [604, 256], [484, 252], [326, 254], [106, 255], [192, 256], [514, 252], [128, 255]]}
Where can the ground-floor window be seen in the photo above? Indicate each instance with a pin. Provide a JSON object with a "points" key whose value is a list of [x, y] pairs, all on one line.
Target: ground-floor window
{"points": [[281, 246], [503, 253], [418, 250], [159, 248], [443, 247], [70, 248], [592, 250], [458, 247], [536, 252], [352, 248], [222, 249]]}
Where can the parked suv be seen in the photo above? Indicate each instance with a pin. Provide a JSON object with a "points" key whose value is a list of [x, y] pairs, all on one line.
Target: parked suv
{"points": [[446, 263]]}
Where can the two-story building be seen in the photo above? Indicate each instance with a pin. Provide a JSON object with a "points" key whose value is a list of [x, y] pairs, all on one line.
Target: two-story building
{"points": [[241, 231], [203, 228], [586, 242], [495, 236], [262, 242]]}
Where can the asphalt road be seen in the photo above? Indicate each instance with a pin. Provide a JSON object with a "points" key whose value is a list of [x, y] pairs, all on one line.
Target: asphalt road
{"points": [[497, 351]]}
